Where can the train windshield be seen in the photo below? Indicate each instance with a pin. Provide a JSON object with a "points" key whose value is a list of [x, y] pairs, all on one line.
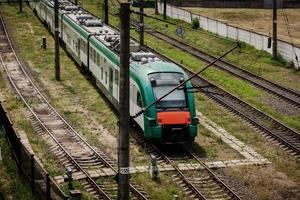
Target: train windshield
{"points": [[163, 83]]}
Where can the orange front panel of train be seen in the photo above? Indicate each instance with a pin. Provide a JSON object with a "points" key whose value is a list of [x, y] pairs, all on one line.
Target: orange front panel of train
{"points": [[173, 118]]}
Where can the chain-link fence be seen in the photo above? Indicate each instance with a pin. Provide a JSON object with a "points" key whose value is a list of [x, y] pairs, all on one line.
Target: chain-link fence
{"points": [[288, 51], [29, 167]]}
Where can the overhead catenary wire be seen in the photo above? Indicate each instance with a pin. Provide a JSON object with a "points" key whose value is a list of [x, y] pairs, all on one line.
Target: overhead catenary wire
{"points": [[175, 24], [238, 45]]}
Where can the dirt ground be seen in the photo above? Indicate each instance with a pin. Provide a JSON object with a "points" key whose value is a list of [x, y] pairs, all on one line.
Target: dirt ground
{"points": [[259, 20]]}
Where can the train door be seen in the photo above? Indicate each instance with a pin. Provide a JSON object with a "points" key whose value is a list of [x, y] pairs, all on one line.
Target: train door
{"points": [[111, 81]]}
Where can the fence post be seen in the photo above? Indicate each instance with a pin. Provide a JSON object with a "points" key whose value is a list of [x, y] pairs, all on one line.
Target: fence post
{"points": [[18, 153], [47, 186], [32, 173]]}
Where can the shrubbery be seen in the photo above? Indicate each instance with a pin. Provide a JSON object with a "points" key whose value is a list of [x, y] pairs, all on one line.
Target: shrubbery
{"points": [[195, 23]]}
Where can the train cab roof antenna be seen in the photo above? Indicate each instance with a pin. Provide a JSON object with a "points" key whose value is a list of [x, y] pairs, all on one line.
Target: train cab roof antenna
{"points": [[238, 45]]}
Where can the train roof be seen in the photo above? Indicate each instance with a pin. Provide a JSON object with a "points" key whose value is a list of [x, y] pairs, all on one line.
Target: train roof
{"points": [[107, 40], [155, 67]]}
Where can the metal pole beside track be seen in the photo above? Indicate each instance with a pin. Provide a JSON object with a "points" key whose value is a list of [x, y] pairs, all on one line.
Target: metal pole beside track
{"points": [[141, 24], [124, 117], [20, 6], [156, 7], [274, 52], [56, 37], [165, 9], [106, 12]]}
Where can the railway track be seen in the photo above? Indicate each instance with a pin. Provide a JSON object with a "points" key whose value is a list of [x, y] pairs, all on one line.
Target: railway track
{"points": [[196, 184], [65, 143], [288, 138], [285, 136], [290, 96]]}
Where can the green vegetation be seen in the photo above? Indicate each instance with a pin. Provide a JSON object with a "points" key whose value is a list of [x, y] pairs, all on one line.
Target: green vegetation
{"points": [[195, 23], [259, 20], [83, 106], [162, 189], [253, 60], [12, 185]]}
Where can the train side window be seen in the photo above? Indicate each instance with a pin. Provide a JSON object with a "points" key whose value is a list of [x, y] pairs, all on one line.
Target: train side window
{"points": [[101, 73], [84, 47], [105, 77], [90, 52], [116, 77], [138, 99], [98, 59], [93, 55], [68, 39]]}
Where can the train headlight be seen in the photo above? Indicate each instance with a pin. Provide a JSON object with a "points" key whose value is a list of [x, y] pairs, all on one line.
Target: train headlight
{"points": [[195, 120], [152, 122]]}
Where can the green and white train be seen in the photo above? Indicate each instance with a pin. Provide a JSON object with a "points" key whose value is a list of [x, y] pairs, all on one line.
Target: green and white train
{"points": [[95, 47]]}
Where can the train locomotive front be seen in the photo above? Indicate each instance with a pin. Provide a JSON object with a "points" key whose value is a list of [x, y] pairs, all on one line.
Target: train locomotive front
{"points": [[171, 120]]}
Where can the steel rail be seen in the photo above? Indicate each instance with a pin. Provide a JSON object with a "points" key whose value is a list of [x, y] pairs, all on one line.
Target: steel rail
{"points": [[70, 158], [283, 93], [288, 95], [133, 188], [221, 96], [292, 145], [214, 176], [293, 142]]}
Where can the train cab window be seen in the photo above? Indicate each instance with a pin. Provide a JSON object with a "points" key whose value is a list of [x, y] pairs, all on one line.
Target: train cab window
{"points": [[116, 77], [138, 99], [163, 83]]}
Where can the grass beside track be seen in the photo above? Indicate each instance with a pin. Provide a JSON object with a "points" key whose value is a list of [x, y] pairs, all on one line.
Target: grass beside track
{"points": [[12, 185], [240, 88], [259, 20], [82, 104], [282, 162], [249, 58], [73, 96]]}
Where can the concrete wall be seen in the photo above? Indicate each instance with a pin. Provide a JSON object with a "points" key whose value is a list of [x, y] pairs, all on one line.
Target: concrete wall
{"points": [[287, 50], [234, 3]]}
